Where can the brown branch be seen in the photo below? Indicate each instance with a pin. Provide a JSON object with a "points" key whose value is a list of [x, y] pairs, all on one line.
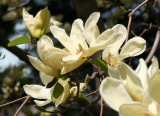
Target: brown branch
{"points": [[96, 91], [155, 45], [101, 113], [19, 109], [19, 6], [12, 102], [131, 16]]}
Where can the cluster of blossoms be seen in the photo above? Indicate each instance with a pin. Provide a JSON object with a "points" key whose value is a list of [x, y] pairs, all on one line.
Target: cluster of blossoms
{"points": [[127, 91]]}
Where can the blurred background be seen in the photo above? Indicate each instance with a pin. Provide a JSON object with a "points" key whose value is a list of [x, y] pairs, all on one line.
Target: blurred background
{"points": [[15, 69]]}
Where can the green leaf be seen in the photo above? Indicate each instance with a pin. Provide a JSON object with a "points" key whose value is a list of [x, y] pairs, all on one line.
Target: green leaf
{"points": [[102, 64], [81, 96], [58, 90], [87, 79], [20, 40]]}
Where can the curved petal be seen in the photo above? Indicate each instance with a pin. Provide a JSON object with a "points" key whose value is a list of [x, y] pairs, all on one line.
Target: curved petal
{"points": [[45, 78], [135, 109], [134, 47], [154, 88], [142, 73], [77, 34], [28, 20], [32, 90], [153, 69], [42, 103], [131, 82], [61, 35], [72, 62], [114, 72], [39, 65], [114, 93], [41, 22], [120, 29], [91, 31]]}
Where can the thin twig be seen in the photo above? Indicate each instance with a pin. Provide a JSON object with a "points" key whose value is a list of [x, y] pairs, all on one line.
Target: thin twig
{"points": [[154, 4], [101, 113], [84, 110], [12, 102], [96, 91], [19, 109], [155, 45], [20, 5], [131, 15]]}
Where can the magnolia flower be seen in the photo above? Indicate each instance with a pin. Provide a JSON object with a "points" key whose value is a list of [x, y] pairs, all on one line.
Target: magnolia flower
{"points": [[49, 61], [133, 47], [44, 94], [84, 41], [38, 25], [135, 93]]}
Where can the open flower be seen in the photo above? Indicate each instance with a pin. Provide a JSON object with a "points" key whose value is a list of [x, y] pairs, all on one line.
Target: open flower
{"points": [[133, 47], [38, 25], [135, 93], [49, 61], [84, 41], [43, 94]]}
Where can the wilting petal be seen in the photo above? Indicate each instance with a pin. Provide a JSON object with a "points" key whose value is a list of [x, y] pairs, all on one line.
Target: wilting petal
{"points": [[28, 20], [114, 93], [153, 69], [71, 62], [134, 47], [91, 31], [42, 103], [45, 78], [154, 88], [37, 91], [41, 22], [77, 34], [135, 109], [131, 82], [61, 35], [142, 73], [39, 65]]}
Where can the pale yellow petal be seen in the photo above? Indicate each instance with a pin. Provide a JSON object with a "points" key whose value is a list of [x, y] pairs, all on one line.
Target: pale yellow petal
{"points": [[113, 71], [77, 34], [32, 90], [131, 82], [120, 29], [61, 35], [91, 31], [41, 22], [72, 62], [134, 47], [39, 65], [154, 88], [42, 103], [153, 69], [142, 72], [45, 78], [114, 93], [28, 20], [135, 109]]}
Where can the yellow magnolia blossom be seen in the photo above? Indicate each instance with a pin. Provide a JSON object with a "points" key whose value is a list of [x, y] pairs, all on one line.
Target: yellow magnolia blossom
{"points": [[134, 93], [133, 47], [49, 61], [38, 25], [44, 94], [84, 41]]}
